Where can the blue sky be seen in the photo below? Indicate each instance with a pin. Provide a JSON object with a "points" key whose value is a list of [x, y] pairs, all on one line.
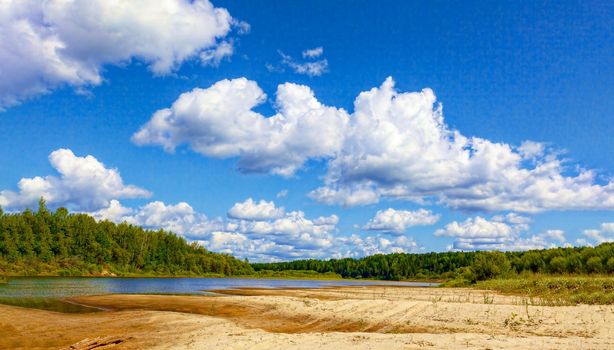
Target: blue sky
{"points": [[400, 180]]}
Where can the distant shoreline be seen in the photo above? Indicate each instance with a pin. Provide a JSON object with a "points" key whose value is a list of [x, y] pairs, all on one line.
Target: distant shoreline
{"points": [[289, 277]]}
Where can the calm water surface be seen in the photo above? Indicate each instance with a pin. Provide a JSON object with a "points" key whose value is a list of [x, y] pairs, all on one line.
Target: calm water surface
{"points": [[61, 287]]}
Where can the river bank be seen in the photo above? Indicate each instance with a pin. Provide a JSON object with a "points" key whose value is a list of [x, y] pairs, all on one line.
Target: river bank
{"points": [[367, 317]]}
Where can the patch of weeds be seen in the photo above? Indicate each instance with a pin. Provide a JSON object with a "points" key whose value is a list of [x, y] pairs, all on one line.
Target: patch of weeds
{"points": [[488, 299]]}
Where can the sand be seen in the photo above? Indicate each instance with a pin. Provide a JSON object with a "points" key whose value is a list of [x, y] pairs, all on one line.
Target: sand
{"points": [[373, 317]]}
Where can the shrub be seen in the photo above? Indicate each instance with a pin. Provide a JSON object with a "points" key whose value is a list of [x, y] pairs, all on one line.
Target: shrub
{"points": [[489, 265], [594, 264]]}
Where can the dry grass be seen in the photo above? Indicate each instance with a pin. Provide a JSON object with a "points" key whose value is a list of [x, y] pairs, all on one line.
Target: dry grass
{"points": [[556, 290]]}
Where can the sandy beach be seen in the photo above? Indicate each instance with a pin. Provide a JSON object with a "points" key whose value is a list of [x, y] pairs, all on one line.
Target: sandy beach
{"points": [[373, 317]]}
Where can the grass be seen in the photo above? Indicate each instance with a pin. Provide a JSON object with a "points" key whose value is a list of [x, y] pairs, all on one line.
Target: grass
{"points": [[555, 290]]}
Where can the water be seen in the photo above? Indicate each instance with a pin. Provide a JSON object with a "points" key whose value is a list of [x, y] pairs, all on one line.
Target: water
{"points": [[48, 292], [62, 287]]}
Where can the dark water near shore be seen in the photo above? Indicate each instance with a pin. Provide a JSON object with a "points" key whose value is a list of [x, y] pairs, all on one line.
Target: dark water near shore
{"points": [[48, 292]]}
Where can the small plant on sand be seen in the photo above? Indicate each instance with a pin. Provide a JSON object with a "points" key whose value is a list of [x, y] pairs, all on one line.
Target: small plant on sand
{"points": [[512, 321], [488, 299], [471, 322]]}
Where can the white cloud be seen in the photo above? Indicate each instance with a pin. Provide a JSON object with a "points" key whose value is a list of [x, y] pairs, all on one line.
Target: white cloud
{"points": [[84, 184], [47, 44], [294, 236], [558, 235], [398, 146], [531, 150], [242, 26], [602, 235], [313, 53], [180, 218], [477, 227], [219, 122], [356, 246], [312, 69], [115, 212], [583, 242], [290, 236], [499, 233], [398, 221], [214, 56], [395, 146], [250, 210], [294, 229], [282, 194]]}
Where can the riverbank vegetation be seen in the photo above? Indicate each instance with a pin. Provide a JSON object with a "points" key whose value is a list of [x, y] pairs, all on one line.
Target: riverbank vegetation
{"points": [[462, 267], [64, 244], [556, 276], [559, 276], [555, 290]]}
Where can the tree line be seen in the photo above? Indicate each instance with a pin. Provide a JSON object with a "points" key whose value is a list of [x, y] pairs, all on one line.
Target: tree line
{"points": [[46, 242], [63, 243], [469, 266]]}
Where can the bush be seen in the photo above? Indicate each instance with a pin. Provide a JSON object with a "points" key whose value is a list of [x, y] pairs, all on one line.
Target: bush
{"points": [[488, 265], [557, 265], [594, 264]]}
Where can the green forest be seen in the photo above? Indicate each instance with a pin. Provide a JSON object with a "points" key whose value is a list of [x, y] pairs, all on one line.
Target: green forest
{"points": [[61, 243], [467, 266]]}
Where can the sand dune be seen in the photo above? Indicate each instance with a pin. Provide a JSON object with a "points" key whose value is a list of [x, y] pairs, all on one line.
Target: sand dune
{"points": [[336, 318]]}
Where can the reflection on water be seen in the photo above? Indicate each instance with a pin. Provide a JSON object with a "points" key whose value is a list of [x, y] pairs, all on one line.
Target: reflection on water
{"points": [[48, 292]]}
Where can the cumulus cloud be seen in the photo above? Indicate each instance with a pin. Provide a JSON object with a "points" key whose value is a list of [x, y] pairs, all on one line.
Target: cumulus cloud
{"points": [[398, 221], [477, 227], [398, 146], [179, 218], [356, 246], [250, 210], [47, 44], [602, 235], [295, 236], [281, 236], [219, 122], [507, 233], [394, 145], [115, 212], [84, 183], [557, 235]]}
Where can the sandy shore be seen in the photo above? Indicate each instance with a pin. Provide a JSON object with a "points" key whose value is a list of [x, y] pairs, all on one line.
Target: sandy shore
{"points": [[372, 317]]}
